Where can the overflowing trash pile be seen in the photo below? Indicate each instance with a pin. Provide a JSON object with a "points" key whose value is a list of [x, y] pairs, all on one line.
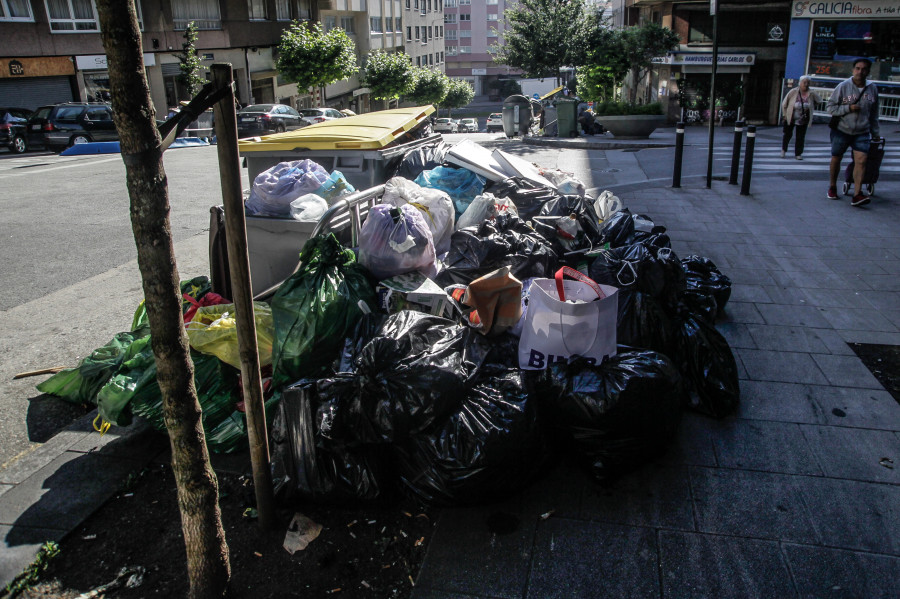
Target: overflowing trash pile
{"points": [[493, 316]]}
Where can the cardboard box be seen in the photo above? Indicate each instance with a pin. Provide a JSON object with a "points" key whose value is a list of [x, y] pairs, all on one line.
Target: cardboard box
{"points": [[413, 291]]}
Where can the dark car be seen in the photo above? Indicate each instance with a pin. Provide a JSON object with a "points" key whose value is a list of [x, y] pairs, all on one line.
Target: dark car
{"points": [[62, 125], [14, 128], [262, 119]]}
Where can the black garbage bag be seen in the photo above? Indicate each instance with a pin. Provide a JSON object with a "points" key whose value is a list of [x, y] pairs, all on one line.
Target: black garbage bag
{"points": [[619, 414], [581, 208], [364, 331], [528, 198], [708, 366], [646, 268], [643, 323], [506, 240], [420, 159], [703, 278], [624, 228], [492, 446], [309, 466]]}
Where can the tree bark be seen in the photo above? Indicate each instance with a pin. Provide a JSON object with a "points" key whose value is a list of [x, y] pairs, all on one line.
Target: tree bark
{"points": [[208, 566]]}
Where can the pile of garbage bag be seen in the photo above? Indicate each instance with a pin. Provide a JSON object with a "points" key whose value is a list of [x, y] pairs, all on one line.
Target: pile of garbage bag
{"points": [[400, 365]]}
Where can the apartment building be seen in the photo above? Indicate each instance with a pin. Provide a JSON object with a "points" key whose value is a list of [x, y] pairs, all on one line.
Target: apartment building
{"points": [[423, 21], [471, 28]]}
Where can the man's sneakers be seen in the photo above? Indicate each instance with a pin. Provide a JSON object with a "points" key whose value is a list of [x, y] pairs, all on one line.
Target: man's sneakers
{"points": [[832, 193], [860, 200], [799, 157]]}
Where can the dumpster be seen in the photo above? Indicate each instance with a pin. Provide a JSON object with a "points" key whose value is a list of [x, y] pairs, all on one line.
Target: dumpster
{"points": [[550, 119], [517, 115], [358, 146], [566, 117]]}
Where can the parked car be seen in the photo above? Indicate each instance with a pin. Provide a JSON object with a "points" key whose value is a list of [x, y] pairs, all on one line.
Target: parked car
{"points": [[261, 119], [59, 126], [495, 122], [320, 115], [14, 128], [445, 126], [469, 125]]}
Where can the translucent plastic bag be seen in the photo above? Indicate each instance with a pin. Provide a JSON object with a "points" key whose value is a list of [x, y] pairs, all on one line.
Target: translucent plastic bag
{"points": [[565, 183], [335, 188], [274, 190], [485, 207], [460, 184], [214, 331], [434, 204], [394, 241], [308, 208]]}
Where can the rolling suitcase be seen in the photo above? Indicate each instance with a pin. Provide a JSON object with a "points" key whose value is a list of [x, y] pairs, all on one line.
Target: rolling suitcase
{"points": [[873, 167]]}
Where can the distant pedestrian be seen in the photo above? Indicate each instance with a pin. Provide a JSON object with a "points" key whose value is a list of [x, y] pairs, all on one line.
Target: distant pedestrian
{"points": [[854, 109], [796, 111]]}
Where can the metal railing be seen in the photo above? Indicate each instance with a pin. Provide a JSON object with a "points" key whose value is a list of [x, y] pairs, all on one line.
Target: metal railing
{"points": [[888, 104]]}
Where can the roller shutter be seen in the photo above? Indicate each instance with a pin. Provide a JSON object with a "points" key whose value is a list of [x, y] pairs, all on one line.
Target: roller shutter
{"points": [[31, 92]]}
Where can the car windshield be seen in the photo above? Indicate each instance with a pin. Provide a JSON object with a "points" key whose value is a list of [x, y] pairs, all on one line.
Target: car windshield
{"points": [[496, 115], [443, 120], [311, 112], [258, 108]]}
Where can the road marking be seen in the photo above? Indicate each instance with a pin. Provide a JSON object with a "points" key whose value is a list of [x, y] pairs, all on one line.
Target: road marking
{"points": [[6, 174]]}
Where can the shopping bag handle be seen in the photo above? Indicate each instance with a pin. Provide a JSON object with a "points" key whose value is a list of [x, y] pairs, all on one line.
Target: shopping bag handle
{"points": [[578, 276]]}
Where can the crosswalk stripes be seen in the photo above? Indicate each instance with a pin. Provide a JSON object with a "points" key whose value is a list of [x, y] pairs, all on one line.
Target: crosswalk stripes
{"points": [[815, 159]]}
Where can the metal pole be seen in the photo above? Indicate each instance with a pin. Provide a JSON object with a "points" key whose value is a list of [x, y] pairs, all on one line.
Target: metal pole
{"points": [[239, 269], [712, 92], [748, 161], [679, 152], [736, 153]]}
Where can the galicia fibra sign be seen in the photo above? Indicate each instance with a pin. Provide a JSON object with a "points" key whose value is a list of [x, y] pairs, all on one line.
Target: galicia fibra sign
{"points": [[869, 9]]}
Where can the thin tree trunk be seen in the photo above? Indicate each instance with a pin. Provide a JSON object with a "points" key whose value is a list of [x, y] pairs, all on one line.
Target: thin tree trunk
{"points": [[208, 566]]}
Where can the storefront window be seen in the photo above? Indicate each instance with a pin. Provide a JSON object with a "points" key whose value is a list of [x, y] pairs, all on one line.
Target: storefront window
{"points": [[836, 43]]}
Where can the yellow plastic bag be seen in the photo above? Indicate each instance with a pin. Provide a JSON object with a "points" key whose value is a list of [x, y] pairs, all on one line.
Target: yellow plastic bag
{"points": [[214, 331]]}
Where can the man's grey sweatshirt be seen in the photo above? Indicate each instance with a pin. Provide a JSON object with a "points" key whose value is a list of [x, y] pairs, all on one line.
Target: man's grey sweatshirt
{"points": [[855, 123]]}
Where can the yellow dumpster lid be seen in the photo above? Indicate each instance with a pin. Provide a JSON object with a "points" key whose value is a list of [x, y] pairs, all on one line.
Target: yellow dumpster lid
{"points": [[370, 131], [555, 91]]}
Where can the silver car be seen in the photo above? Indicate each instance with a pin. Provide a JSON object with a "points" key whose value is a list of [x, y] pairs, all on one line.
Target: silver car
{"points": [[445, 126]]}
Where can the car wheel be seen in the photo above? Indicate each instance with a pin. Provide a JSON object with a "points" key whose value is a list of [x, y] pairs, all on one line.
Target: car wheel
{"points": [[79, 139], [18, 145], [279, 128]]}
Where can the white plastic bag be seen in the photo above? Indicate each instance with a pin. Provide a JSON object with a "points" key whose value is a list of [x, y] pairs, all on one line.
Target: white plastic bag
{"points": [[606, 205], [485, 207], [308, 208], [434, 204], [565, 183]]}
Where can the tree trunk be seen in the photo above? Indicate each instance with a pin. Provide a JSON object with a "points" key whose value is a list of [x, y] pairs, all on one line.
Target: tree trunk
{"points": [[208, 566]]}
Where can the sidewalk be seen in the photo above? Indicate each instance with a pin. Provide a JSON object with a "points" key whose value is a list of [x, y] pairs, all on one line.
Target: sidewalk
{"points": [[789, 498]]}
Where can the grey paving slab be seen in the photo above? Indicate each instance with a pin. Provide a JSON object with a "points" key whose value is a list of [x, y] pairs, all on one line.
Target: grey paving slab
{"points": [[852, 407], [792, 315], [853, 514], [40, 456], [837, 298], [857, 266], [858, 319], [805, 264], [882, 300], [750, 293], [737, 334], [847, 371], [432, 594], [889, 282], [559, 491], [65, 491], [596, 560], [787, 240], [464, 556], [822, 572], [698, 565], [780, 402], [138, 441], [742, 312], [824, 280], [694, 442], [787, 338], [765, 446], [834, 341], [656, 496], [750, 276], [750, 504], [779, 294], [20, 545], [786, 367], [893, 316], [855, 453], [873, 337]]}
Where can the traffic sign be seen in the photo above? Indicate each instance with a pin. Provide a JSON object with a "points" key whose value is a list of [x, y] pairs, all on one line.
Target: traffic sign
{"points": [[536, 96]]}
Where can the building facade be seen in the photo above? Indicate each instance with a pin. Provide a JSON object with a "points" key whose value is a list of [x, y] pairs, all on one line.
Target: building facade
{"points": [[471, 29]]}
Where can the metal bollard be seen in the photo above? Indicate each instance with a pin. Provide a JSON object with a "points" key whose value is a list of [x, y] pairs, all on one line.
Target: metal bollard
{"points": [[736, 153], [679, 151], [748, 160]]}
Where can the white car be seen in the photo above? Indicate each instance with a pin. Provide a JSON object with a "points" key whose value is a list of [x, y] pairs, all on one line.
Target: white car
{"points": [[469, 125], [320, 115], [445, 126], [495, 122]]}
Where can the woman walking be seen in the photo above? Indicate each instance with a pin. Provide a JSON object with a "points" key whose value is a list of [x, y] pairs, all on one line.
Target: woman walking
{"points": [[796, 111]]}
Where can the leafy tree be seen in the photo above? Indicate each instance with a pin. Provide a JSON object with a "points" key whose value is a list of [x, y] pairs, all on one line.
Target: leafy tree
{"points": [[459, 94], [388, 75], [428, 87], [313, 58], [208, 566], [189, 61], [542, 36], [508, 87], [640, 45]]}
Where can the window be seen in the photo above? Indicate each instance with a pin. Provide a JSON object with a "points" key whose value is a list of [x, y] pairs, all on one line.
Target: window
{"points": [[348, 25], [283, 10], [465, 33], [492, 33], [257, 10], [442, 57], [431, 60], [465, 2], [409, 34], [429, 5], [491, 2], [204, 13], [493, 17], [15, 10], [465, 49], [418, 61], [329, 22], [451, 34], [417, 32], [463, 18], [388, 25], [424, 34], [72, 15], [416, 4], [451, 3], [398, 24], [375, 24], [451, 50], [834, 41], [423, 11], [407, 4], [450, 19]]}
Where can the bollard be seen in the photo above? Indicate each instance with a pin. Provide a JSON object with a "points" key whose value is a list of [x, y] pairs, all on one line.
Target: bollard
{"points": [[748, 160], [679, 151], [736, 153]]}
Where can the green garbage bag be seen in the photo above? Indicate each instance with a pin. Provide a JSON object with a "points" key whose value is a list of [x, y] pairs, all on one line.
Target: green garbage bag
{"points": [[80, 385], [316, 308], [196, 288]]}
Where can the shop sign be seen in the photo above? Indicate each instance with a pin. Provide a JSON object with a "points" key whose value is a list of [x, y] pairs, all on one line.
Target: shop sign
{"points": [[47, 66], [479, 71], [97, 62], [776, 32], [823, 41], [870, 9], [705, 58], [16, 69]]}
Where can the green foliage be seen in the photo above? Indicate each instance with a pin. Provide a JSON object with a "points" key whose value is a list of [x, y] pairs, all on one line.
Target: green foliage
{"points": [[388, 75], [596, 83], [508, 87], [189, 61], [640, 45], [614, 108], [312, 58], [32, 573], [428, 87], [459, 94]]}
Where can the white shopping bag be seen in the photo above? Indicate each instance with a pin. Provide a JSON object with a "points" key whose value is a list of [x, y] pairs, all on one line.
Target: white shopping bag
{"points": [[556, 330]]}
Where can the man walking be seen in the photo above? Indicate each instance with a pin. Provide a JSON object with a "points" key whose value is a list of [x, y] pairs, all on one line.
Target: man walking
{"points": [[854, 104]]}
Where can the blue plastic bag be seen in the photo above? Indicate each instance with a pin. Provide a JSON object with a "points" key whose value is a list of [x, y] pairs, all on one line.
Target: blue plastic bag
{"points": [[461, 185], [335, 188], [274, 189]]}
